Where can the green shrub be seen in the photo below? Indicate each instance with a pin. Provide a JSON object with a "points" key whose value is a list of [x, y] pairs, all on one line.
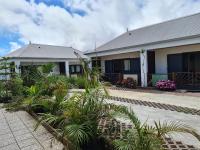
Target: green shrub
{"points": [[80, 82], [16, 86]]}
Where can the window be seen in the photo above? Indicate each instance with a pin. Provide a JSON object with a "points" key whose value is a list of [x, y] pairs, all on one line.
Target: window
{"points": [[78, 68], [72, 69], [127, 65]]}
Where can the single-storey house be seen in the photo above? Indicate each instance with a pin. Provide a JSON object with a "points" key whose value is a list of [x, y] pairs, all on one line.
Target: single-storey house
{"points": [[65, 59], [167, 50]]}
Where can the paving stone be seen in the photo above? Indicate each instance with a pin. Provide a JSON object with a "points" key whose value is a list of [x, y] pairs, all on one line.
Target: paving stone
{"points": [[27, 142], [21, 132], [5, 131], [6, 136], [33, 147], [13, 146], [52, 145], [24, 137], [7, 141], [44, 137]]}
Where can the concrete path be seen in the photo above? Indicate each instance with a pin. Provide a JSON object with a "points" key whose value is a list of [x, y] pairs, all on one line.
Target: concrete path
{"points": [[159, 97], [17, 133], [150, 114]]}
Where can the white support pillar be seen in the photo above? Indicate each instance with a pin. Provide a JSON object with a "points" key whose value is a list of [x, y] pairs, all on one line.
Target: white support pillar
{"points": [[102, 66], [144, 67], [17, 66], [67, 68], [90, 63]]}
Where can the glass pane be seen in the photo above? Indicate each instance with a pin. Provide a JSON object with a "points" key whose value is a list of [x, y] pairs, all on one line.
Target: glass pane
{"points": [[127, 65], [72, 68], [78, 68]]}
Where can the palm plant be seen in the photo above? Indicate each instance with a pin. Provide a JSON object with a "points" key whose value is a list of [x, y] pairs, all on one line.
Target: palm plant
{"points": [[76, 117], [91, 75], [146, 137]]}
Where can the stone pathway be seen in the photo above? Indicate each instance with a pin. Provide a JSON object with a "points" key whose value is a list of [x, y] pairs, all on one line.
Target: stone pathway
{"points": [[158, 105], [150, 114], [17, 133], [171, 98]]}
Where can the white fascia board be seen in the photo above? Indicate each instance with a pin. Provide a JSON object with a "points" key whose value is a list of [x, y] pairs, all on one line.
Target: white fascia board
{"points": [[42, 60], [166, 44]]}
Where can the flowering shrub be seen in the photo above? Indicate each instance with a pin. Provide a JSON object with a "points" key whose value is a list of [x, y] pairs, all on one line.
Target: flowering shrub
{"points": [[128, 83], [166, 85]]}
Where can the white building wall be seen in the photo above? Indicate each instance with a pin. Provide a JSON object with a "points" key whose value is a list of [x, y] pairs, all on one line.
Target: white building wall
{"points": [[121, 56], [161, 55]]}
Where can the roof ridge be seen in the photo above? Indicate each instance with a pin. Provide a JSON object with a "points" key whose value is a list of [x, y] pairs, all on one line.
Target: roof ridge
{"points": [[51, 45]]}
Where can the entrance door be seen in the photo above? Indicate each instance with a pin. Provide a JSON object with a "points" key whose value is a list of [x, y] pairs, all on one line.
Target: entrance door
{"points": [[175, 63], [108, 66], [118, 66], [62, 68]]}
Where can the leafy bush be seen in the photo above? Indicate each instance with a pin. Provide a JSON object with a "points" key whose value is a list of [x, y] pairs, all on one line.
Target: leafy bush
{"points": [[30, 75], [80, 82], [166, 85], [16, 86]]}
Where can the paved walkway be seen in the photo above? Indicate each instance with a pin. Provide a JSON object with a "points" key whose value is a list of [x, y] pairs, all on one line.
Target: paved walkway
{"points": [[159, 97], [17, 133], [150, 114]]}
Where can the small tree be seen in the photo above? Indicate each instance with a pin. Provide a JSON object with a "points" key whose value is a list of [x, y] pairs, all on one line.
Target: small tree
{"points": [[6, 72]]}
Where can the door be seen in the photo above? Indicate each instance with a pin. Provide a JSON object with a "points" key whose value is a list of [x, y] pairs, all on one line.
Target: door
{"points": [[175, 63], [136, 68], [108, 66], [62, 68], [118, 66]]}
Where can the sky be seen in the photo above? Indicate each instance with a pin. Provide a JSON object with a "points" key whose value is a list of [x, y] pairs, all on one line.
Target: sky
{"points": [[81, 23]]}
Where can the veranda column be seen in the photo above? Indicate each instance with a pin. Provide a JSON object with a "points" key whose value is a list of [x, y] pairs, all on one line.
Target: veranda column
{"points": [[144, 67], [67, 68], [17, 66], [90, 63]]}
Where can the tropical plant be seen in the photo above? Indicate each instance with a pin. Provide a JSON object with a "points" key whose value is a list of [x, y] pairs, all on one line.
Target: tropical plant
{"points": [[16, 86], [46, 68], [91, 75], [6, 73], [77, 116], [31, 75], [147, 137]]}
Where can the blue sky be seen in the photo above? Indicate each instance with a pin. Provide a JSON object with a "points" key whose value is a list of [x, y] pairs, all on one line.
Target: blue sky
{"points": [[79, 23]]}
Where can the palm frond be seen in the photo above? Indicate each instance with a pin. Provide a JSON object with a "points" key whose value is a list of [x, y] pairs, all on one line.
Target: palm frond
{"points": [[78, 133], [168, 127], [122, 145]]}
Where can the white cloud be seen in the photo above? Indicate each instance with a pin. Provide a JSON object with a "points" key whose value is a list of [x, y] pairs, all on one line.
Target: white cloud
{"points": [[105, 19], [14, 46]]}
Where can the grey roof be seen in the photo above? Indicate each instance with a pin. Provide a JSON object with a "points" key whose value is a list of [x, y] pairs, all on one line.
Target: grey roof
{"points": [[45, 51], [169, 30]]}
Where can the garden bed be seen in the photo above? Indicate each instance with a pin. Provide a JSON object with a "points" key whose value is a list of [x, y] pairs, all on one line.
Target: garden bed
{"points": [[104, 126]]}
